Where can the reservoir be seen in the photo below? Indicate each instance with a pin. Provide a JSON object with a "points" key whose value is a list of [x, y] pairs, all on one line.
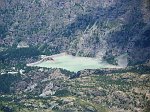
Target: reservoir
{"points": [[71, 63]]}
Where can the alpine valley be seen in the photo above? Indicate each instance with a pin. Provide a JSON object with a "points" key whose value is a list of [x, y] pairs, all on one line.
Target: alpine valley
{"points": [[74, 55]]}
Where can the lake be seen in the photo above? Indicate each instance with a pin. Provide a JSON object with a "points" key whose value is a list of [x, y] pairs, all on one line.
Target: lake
{"points": [[72, 63]]}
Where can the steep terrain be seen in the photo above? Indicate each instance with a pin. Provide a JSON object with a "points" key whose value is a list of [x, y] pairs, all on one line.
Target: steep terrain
{"points": [[117, 31], [102, 28], [55, 90]]}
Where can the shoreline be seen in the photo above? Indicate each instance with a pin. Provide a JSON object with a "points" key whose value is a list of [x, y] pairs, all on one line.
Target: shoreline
{"points": [[75, 60]]}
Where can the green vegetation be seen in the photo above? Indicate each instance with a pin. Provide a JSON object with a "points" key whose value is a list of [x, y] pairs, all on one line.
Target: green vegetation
{"points": [[110, 60], [94, 93], [17, 54], [3, 30], [17, 57], [147, 108], [62, 93], [6, 80], [95, 107], [66, 72]]}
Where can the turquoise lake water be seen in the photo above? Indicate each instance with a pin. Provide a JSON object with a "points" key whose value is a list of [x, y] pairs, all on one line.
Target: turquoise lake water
{"points": [[73, 63]]}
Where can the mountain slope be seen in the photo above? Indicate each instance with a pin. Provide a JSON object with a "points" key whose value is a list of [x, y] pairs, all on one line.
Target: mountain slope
{"points": [[101, 28]]}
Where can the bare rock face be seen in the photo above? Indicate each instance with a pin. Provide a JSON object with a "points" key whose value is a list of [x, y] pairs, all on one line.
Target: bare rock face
{"points": [[47, 91], [22, 45], [146, 10], [21, 86], [2, 3], [56, 74]]}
